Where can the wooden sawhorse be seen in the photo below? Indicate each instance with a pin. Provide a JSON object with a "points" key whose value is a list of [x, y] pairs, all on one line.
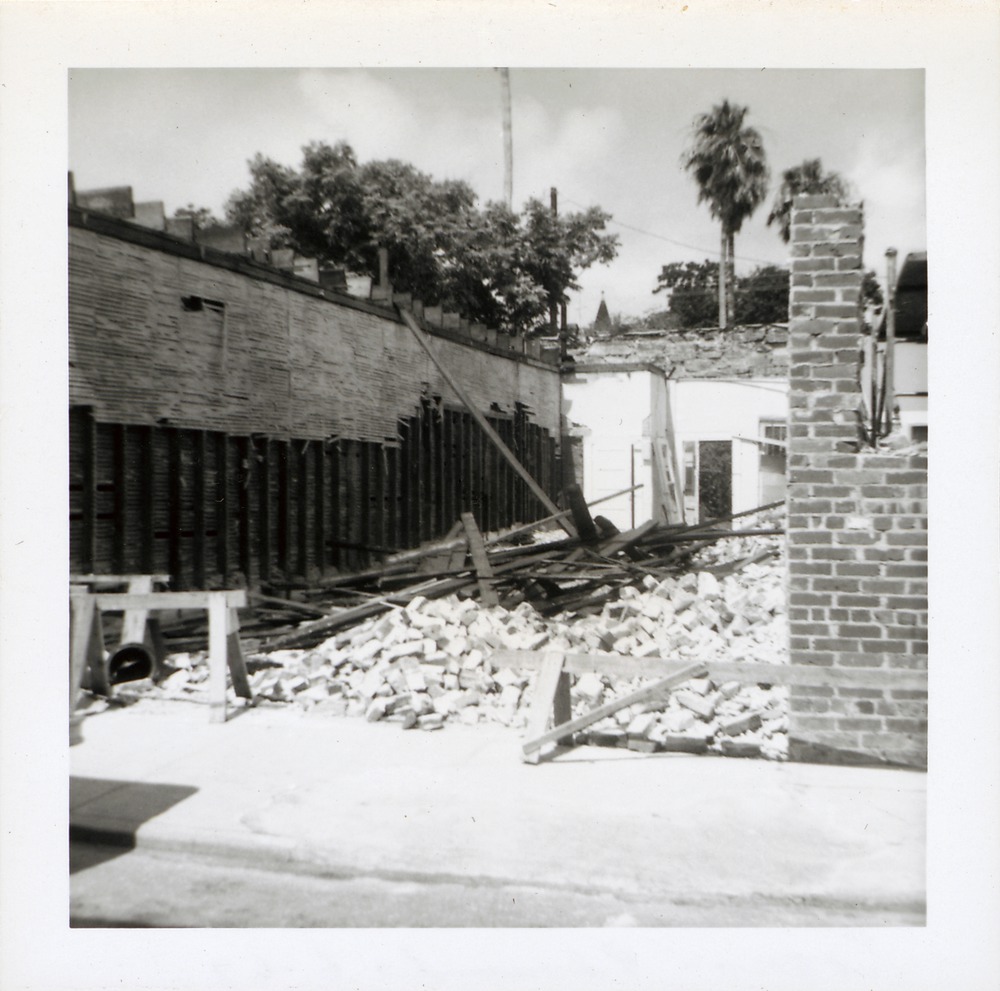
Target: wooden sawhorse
{"points": [[224, 651]]}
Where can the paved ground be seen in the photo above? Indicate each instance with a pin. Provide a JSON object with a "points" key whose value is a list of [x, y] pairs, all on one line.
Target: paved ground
{"points": [[373, 810]]}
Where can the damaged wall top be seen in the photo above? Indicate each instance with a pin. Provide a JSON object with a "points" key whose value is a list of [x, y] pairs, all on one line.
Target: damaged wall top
{"points": [[740, 352]]}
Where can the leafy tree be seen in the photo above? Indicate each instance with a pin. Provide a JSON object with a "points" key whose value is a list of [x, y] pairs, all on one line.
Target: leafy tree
{"points": [[492, 265], [201, 215], [727, 161], [808, 177], [693, 288], [761, 297]]}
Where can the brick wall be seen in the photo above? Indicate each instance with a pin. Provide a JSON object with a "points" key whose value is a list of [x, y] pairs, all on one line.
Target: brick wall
{"points": [[285, 361], [232, 425], [857, 518]]}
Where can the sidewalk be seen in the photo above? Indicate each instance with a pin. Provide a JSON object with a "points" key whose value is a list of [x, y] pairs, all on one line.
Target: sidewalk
{"points": [[339, 796]]}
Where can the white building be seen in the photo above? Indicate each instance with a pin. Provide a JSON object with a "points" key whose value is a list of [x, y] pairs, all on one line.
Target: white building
{"points": [[698, 418]]}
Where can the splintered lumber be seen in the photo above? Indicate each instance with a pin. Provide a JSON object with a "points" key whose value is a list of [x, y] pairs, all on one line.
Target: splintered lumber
{"points": [[484, 573], [484, 424], [551, 698], [288, 604], [609, 708], [582, 520]]}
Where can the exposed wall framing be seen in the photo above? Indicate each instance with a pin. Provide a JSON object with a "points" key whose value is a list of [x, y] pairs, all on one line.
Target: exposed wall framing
{"points": [[219, 510]]}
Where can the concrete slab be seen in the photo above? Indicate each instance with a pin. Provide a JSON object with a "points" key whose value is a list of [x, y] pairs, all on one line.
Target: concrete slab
{"points": [[347, 798]]}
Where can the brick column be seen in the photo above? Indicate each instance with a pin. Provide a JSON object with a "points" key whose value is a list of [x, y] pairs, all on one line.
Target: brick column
{"points": [[857, 518]]}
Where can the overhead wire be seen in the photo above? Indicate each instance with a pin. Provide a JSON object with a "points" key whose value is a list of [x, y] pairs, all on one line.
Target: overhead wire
{"points": [[711, 252]]}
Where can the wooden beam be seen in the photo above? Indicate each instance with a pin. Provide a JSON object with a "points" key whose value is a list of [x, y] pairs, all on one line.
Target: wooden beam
{"points": [[198, 487], [749, 672], [235, 598], [484, 573], [508, 455], [547, 685], [609, 708], [222, 511]]}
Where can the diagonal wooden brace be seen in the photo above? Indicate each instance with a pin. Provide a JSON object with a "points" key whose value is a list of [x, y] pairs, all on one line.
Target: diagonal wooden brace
{"points": [[562, 730]]}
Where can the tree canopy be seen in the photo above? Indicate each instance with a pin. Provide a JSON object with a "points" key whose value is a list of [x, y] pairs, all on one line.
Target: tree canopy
{"points": [[808, 177], [488, 263], [727, 160], [761, 297]]}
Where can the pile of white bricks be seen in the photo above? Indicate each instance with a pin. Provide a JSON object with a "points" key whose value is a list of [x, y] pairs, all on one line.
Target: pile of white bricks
{"points": [[430, 662]]}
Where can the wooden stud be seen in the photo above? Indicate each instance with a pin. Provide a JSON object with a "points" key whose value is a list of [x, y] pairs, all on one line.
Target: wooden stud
{"points": [[264, 510], [484, 572], [284, 464], [147, 496], [319, 505], [246, 456], [336, 475], [120, 464], [542, 701], [218, 655], [88, 457], [175, 482], [302, 507], [234, 656], [199, 469], [222, 513]]}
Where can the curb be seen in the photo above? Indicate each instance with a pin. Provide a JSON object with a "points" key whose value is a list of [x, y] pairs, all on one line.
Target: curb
{"points": [[273, 855]]}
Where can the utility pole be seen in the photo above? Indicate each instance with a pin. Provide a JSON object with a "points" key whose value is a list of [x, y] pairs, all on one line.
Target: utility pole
{"points": [[508, 141], [553, 302]]}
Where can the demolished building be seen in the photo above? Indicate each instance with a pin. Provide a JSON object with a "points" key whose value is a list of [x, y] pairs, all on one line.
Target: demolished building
{"points": [[235, 424]]}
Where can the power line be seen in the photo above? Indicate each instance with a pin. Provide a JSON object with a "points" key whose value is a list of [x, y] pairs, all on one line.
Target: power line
{"points": [[714, 252]]}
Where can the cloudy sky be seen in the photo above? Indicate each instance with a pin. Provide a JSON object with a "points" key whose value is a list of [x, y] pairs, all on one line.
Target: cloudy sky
{"points": [[606, 137]]}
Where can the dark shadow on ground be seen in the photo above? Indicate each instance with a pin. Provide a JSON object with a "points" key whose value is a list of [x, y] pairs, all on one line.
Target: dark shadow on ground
{"points": [[131, 802]]}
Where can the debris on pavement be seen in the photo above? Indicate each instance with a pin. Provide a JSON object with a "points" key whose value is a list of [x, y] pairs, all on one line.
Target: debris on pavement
{"points": [[422, 659]]}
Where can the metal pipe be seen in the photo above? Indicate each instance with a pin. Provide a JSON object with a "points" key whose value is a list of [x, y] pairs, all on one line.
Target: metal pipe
{"points": [[889, 389]]}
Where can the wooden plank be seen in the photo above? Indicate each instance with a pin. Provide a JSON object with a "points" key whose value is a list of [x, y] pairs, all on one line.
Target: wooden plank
{"points": [[484, 573], [234, 598], [542, 701], [134, 623], [98, 581], [284, 463], [218, 660], [609, 708], [319, 506], [120, 463], [302, 508], [481, 420], [263, 462], [88, 494], [199, 468], [175, 495], [234, 656], [244, 477], [749, 672], [222, 510], [147, 490], [82, 614], [622, 541]]}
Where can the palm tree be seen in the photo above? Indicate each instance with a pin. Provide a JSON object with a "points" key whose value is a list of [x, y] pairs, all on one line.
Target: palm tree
{"points": [[727, 161], [808, 177]]}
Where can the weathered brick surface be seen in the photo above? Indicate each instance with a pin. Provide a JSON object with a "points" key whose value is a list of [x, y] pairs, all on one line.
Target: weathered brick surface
{"points": [[282, 362], [857, 519]]}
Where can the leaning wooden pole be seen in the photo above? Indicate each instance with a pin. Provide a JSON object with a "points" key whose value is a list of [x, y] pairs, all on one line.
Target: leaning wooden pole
{"points": [[487, 429]]}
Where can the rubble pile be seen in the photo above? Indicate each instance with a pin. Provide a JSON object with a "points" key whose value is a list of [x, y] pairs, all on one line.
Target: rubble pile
{"points": [[432, 661]]}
